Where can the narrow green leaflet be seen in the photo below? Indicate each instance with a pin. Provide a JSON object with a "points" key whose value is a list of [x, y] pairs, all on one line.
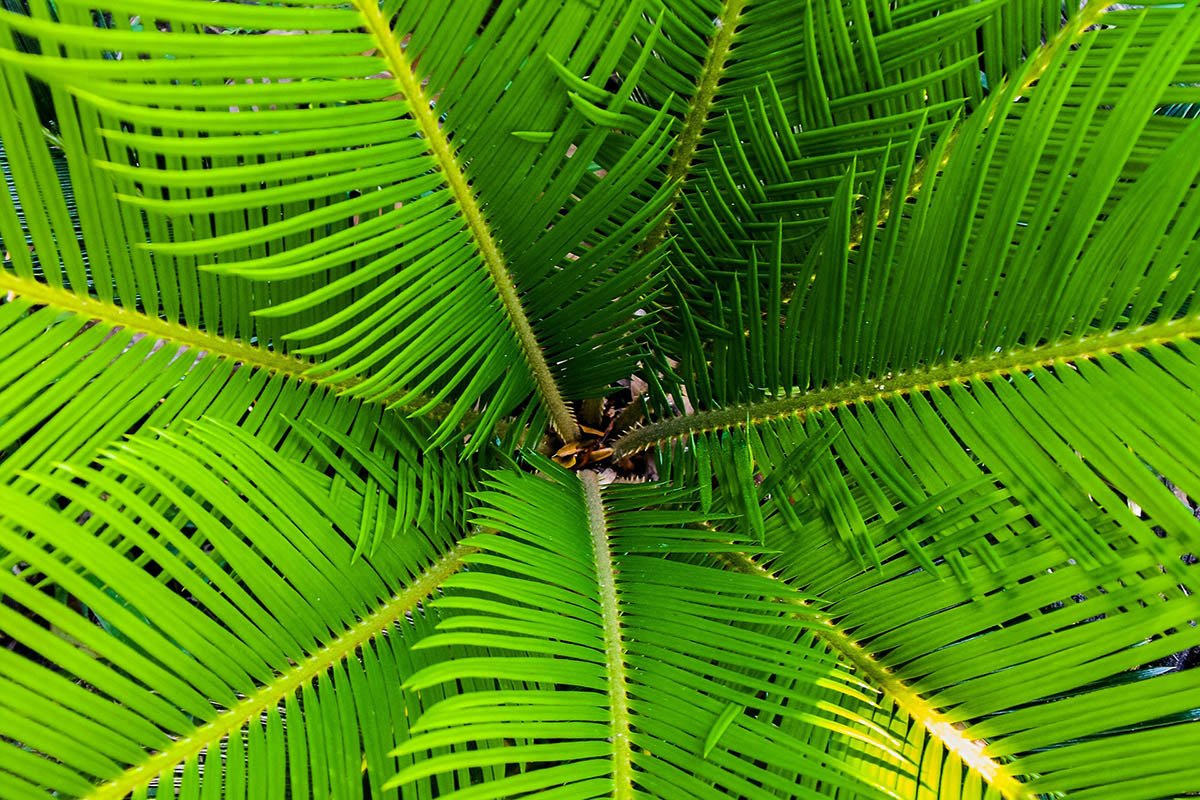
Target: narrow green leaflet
{"points": [[879, 319], [1012, 349], [1050, 669], [166, 601], [95, 382], [774, 102], [1008, 364]]}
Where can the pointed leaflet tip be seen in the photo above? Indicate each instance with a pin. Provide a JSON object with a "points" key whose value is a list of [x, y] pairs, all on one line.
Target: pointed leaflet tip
{"points": [[722, 723]]}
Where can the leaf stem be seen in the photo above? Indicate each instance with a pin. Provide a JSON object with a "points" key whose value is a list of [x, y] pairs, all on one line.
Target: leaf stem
{"points": [[110, 314], [614, 645], [969, 751], [439, 146], [800, 405], [194, 339], [697, 116], [273, 693]]}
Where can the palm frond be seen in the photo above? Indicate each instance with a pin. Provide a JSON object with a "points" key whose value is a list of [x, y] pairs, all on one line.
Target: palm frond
{"points": [[653, 673], [970, 383], [1045, 217], [307, 189], [21, 248], [775, 101], [191, 589], [101, 380], [291, 295], [1030, 651]]}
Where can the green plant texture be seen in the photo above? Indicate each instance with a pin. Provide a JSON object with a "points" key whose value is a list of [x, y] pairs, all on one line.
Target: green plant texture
{"points": [[599, 399]]}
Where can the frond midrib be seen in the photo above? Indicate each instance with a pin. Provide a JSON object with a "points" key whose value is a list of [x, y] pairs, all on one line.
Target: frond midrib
{"points": [[878, 389], [439, 147], [697, 114], [969, 751], [120, 317], [195, 340], [614, 646], [272, 694]]}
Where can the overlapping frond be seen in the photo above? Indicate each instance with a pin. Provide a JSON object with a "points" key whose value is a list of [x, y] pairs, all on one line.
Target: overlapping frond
{"points": [[198, 542], [942, 771], [1049, 663], [1062, 227], [1026, 613], [16, 212], [654, 672], [776, 139], [774, 101], [316, 179], [919, 279], [937, 759], [186, 593], [96, 381], [967, 431]]}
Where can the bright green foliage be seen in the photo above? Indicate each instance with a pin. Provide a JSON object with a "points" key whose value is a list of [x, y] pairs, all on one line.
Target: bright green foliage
{"points": [[298, 299]]}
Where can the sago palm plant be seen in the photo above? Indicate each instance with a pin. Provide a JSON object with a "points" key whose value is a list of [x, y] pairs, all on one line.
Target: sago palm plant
{"points": [[599, 398]]}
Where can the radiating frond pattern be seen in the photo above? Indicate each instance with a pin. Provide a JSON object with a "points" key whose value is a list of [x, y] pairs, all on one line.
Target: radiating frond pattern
{"points": [[149, 480], [953, 411], [790, 96], [1028, 651], [1033, 259], [891, 307]]}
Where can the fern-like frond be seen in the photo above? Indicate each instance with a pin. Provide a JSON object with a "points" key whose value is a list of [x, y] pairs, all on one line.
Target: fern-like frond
{"points": [[186, 590], [97, 380], [1045, 662], [297, 179], [774, 101], [966, 430], [654, 673], [286, 289], [199, 542], [1060, 229]]}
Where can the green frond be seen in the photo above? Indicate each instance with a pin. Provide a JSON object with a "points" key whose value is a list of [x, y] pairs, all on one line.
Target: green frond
{"points": [[880, 324], [140, 470], [947, 762], [313, 193], [945, 431], [98, 380], [291, 624], [635, 655], [1035, 648], [1056, 223], [949, 525], [775, 100], [944, 769]]}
